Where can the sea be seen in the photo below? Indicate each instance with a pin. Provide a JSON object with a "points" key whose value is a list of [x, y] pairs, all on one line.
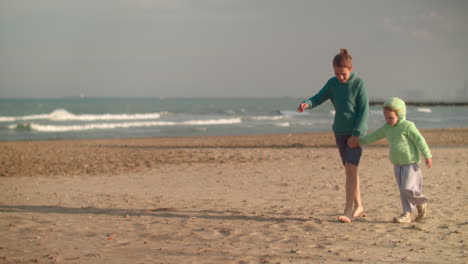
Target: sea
{"points": [[91, 118]]}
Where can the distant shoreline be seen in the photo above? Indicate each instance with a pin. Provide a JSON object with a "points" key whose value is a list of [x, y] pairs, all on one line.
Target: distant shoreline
{"points": [[372, 102]]}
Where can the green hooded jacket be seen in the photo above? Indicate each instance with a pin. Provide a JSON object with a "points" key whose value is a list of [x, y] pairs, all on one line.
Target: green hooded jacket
{"points": [[404, 138]]}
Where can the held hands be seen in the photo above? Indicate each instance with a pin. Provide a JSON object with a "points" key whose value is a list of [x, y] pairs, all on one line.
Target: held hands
{"points": [[301, 107], [429, 162], [353, 142]]}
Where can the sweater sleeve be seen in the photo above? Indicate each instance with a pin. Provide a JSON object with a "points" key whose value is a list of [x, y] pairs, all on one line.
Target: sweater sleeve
{"points": [[320, 97], [362, 111], [372, 137], [415, 136]]}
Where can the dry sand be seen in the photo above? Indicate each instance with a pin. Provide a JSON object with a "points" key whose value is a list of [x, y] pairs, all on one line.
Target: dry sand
{"points": [[246, 199]]}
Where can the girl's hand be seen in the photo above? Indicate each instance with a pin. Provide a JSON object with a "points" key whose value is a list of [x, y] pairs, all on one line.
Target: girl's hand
{"points": [[301, 107], [353, 142], [429, 162]]}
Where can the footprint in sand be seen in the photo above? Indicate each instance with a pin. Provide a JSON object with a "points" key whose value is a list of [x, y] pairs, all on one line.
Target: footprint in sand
{"points": [[312, 226]]}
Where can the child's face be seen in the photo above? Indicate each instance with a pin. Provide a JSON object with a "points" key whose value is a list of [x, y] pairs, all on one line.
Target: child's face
{"points": [[342, 73], [391, 117]]}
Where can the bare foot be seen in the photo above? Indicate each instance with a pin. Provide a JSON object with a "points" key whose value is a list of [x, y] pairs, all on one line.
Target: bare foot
{"points": [[358, 211], [344, 219]]}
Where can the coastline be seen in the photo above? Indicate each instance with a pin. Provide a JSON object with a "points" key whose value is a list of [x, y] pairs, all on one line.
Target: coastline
{"points": [[94, 118]]}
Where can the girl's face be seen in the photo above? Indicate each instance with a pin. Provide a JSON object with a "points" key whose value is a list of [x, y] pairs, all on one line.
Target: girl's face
{"points": [[391, 117], [342, 73]]}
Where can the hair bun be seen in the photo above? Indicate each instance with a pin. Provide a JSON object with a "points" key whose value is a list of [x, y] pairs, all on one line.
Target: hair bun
{"points": [[343, 59]]}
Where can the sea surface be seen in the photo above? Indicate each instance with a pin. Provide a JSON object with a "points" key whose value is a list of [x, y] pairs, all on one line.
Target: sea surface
{"points": [[86, 118]]}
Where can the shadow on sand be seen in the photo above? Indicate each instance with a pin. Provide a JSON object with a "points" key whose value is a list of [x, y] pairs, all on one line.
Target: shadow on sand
{"points": [[160, 212]]}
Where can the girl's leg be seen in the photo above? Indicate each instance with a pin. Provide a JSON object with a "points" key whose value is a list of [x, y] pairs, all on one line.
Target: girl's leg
{"points": [[350, 190], [353, 206], [358, 208], [353, 191], [350, 158]]}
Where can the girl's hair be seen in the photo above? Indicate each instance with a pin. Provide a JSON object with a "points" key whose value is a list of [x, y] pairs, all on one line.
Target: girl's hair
{"points": [[343, 59]]}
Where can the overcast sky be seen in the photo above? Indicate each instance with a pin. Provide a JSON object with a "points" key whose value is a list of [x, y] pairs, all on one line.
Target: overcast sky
{"points": [[414, 49]]}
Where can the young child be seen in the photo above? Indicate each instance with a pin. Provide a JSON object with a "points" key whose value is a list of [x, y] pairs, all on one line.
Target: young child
{"points": [[348, 95], [405, 144]]}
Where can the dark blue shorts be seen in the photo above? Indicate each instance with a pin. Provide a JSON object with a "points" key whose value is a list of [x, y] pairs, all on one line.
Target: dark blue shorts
{"points": [[348, 155]]}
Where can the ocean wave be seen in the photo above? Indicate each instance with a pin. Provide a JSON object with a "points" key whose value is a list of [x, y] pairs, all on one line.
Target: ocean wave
{"points": [[283, 124], [7, 119], [424, 110], [376, 112], [263, 118], [20, 127], [292, 113], [64, 115], [103, 126]]}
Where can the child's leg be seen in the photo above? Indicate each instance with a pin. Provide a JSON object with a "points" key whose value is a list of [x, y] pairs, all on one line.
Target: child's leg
{"points": [[400, 179], [409, 180]]}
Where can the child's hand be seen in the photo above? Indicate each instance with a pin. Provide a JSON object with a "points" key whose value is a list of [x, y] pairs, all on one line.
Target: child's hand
{"points": [[301, 107], [353, 142], [429, 162]]}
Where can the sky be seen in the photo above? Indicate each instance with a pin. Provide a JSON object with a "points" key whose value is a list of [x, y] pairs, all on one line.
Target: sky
{"points": [[414, 49]]}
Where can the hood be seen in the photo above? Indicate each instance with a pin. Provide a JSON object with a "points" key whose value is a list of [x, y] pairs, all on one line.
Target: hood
{"points": [[399, 106]]}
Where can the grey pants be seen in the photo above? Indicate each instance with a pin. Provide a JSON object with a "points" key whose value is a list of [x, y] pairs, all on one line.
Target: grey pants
{"points": [[409, 181]]}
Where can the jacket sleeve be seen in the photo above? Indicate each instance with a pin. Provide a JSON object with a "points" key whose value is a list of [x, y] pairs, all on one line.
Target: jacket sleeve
{"points": [[372, 137], [362, 111], [320, 97], [415, 136]]}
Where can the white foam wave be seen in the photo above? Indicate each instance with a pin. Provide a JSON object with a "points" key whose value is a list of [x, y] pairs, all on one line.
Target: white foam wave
{"points": [[261, 118], [424, 110], [7, 119], [64, 115], [284, 124], [293, 113], [101, 126], [313, 122]]}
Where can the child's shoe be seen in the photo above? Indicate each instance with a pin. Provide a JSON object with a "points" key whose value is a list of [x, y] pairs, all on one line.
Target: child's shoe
{"points": [[404, 218], [422, 211]]}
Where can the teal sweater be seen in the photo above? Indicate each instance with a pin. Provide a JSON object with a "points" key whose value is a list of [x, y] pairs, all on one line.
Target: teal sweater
{"points": [[404, 138], [350, 102]]}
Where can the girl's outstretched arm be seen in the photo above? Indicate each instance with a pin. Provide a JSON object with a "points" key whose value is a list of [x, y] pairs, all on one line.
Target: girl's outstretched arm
{"points": [[301, 107]]}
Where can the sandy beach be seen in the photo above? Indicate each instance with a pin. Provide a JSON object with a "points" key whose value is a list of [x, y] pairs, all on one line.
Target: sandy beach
{"points": [[232, 199]]}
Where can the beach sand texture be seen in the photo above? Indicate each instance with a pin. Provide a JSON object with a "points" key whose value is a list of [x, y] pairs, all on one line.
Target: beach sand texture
{"points": [[242, 199]]}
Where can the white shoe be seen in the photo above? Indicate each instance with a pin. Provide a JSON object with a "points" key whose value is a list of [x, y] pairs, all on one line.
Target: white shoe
{"points": [[404, 218]]}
